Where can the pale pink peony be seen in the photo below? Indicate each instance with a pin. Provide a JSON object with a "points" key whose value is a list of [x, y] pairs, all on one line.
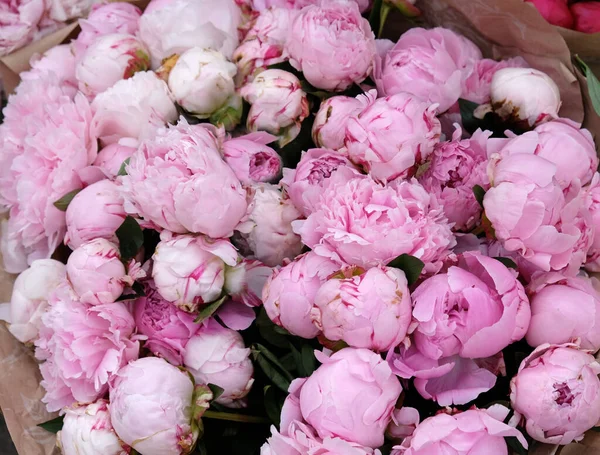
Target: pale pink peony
{"points": [[173, 27], [95, 212], [278, 104], [430, 64], [82, 347], [133, 108], [190, 271], [19, 23], [96, 272], [268, 232], [178, 181], [58, 60], [110, 158], [369, 309], [455, 168], [305, 184], [557, 390], [167, 328], [262, 5], [364, 223], [87, 430], [592, 202], [245, 282], [392, 136], [332, 44], [217, 355], [477, 87], [64, 10], [251, 159], [289, 293]]}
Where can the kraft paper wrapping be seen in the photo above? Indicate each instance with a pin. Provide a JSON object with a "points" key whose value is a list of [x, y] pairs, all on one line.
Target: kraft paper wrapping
{"points": [[502, 28]]}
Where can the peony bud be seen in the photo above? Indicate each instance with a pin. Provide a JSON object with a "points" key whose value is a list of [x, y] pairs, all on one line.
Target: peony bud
{"points": [[201, 81], [96, 272], [250, 158], [110, 159]]}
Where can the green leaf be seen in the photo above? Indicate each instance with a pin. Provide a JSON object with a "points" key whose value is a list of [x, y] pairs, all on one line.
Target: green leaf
{"points": [[273, 405], [305, 359], [479, 193], [375, 15], [64, 201], [289, 362], [271, 366], [234, 417], [515, 445], [593, 83], [122, 169], [467, 109], [131, 238], [508, 262], [383, 15], [208, 310], [411, 266], [134, 452], [54, 425], [269, 331], [201, 448], [216, 391]]}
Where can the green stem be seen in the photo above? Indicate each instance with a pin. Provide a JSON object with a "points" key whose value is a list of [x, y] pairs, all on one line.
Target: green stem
{"points": [[234, 417]]}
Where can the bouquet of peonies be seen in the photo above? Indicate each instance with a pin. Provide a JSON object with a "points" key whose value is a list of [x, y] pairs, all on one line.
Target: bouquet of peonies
{"points": [[250, 226]]}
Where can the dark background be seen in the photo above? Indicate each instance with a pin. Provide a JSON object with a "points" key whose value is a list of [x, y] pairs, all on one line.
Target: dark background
{"points": [[6, 445]]}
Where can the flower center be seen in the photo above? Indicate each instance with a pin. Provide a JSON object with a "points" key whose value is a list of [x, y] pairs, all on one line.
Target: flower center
{"points": [[563, 395]]}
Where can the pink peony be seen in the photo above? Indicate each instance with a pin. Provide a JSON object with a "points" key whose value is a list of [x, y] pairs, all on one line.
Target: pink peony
{"points": [[190, 271], [392, 136], [268, 232], [364, 223], [261, 5], [96, 272], [178, 181], [464, 433], [217, 355], [289, 293], [431, 64], [587, 17], [564, 309], [554, 11], [251, 159], [176, 26], [58, 60], [133, 108], [455, 168], [557, 390], [369, 309], [278, 104], [167, 328], [477, 87], [350, 396], [64, 10], [19, 23], [82, 347], [305, 184], [110, 158], [592, 203], [332, 44], [95, 212], [245, 282]]}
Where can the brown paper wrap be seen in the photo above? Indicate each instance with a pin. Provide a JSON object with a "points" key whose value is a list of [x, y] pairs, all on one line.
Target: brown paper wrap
{"points": [[501, 28]]}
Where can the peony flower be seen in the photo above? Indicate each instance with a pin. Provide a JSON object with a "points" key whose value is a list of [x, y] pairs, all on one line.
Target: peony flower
{"points": [[82, 347], [305, 184], [19, 23], [110, 159], [364, 223], [30, 294], [268, 232], [166, 327], [250, 158], [592, 203], [245, 282], [63, 10], [217, 355], [109, 59], [133, 108], [178, 181], [563, 309], [201, 81], [454, 170], [392, 136], [87, 430], [554, 11], [462, 433], [524, 95], [96, 272], [369, 309], [350, 396], [587, 17], [477, 87], [190, 271], [557, 390], [432, 65], [278, 104], [95, 212], [261, 5], [332, 44], [289, 293], [106, 19], [59, 61], [163, 395], [329, 127], [176, 26]]}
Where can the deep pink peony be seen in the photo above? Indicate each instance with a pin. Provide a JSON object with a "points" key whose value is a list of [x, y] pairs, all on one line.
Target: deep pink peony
{"points": [[82, 347], [430, 64], [392, 136], [332, 44], [554, 11], [477, 87], [179, 182], [364, 223], [587, 17], [251, 159]]}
